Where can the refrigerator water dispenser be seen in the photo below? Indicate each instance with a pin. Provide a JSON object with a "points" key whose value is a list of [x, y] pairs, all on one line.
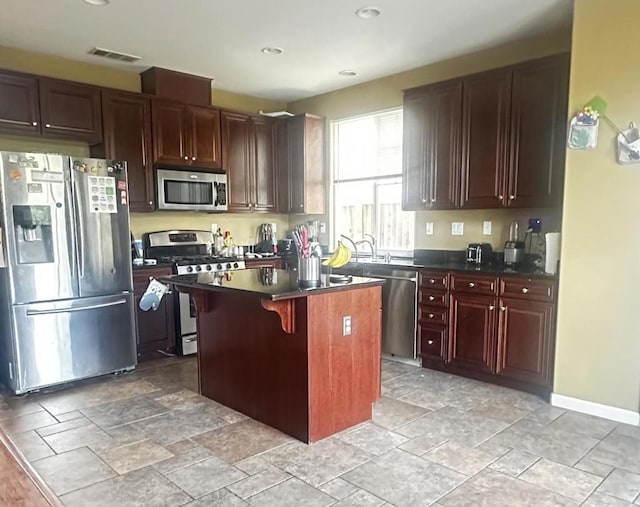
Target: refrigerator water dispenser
{"points": [[32, 228]]}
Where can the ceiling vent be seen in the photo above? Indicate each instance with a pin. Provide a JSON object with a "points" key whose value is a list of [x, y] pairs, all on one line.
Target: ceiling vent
{"points": [[114, 55]]}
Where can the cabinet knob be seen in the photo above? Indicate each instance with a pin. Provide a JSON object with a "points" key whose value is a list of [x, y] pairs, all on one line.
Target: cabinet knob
{"points": [[430, 342], [491, 308], [472, 285], [433, 199], [151, 203], [48, 125], [186, 158], [503, 308], [501, 197], [35, 124], [431, 280], [431, 298], [424, 201], [512, 197], [302, 205], [524, 290], [193, 158], [431, 315]]}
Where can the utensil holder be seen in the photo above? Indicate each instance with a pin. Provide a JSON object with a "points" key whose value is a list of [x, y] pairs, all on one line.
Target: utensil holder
{"points": [[309, 272]]}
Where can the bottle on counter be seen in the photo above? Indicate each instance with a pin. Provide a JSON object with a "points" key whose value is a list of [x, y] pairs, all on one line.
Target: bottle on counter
{"points": [[218, 242]]}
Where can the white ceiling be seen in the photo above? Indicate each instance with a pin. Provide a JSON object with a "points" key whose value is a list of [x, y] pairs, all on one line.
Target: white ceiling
{"points": [[222, 38]]}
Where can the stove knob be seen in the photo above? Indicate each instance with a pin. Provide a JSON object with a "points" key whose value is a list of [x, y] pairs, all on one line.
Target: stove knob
{"points": [[219, 266], [198, 268], [228, 265], [189, 269], [235, 265], [208, 267]]}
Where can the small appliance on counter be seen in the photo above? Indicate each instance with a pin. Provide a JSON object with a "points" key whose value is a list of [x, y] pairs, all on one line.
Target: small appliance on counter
{"points": [[479, 253], [514, 248]]}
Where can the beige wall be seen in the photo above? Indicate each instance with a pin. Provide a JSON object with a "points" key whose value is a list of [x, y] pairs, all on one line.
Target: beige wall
{"points": [[598, 336], [242, 226], [386, 93]]}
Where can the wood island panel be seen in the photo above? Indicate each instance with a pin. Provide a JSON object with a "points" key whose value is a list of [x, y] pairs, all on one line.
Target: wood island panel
{"points": [[307, 379]]}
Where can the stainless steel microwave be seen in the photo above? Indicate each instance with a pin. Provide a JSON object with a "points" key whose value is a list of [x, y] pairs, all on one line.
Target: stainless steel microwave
{"points": [[191, 190]]}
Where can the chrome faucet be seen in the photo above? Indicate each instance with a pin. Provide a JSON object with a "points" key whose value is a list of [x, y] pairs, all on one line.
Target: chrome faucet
{"points": [[353, 243], [374, 246], [367, 242]]}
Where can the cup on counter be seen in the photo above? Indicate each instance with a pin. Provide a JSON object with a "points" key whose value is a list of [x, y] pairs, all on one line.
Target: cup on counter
{"points": [[139, 248], [309, 272]]}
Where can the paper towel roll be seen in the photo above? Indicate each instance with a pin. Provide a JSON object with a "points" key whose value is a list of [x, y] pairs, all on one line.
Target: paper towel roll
{"points": [[552, 252]]}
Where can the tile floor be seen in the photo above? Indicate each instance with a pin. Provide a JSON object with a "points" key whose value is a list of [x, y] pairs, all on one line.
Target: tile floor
{"points": [[148, 439]]}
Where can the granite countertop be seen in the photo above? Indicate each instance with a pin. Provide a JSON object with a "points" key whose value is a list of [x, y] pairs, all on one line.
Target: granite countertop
{"points": [[275, 284]]}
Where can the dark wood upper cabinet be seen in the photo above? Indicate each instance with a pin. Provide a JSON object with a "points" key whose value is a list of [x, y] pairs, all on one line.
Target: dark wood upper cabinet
{"points": [[431, 163], [306, 164], [127, 136], [489, 140], [524, 340], [236, 156], [472, 332], [169, 133], [70, 110], [265, 176], [19, 107], [538, 130], [249, 153], [186, 135], [283, 201], [485, 134], [205, 136]]}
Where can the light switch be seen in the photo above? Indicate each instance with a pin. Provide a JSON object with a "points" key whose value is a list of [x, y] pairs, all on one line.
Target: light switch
{"points": [[429, 229], [457, 228], [486, 227], [323, 228]]}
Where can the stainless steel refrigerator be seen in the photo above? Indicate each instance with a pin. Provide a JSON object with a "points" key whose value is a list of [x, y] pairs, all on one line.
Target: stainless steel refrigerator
{"points": [[66, 302]]}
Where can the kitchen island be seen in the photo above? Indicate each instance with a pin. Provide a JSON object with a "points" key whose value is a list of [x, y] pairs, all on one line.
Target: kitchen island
{"points": [[305, 361]]}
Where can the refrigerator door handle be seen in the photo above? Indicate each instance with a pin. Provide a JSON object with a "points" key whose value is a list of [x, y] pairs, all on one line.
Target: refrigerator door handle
{"points": [[71, 234], [31, 313], [78, 226]]}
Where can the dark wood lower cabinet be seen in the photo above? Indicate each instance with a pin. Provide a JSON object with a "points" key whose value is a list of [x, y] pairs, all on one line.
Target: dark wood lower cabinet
{"points": [[472, 332], [524, 347], [156, 328], [496, 329]]}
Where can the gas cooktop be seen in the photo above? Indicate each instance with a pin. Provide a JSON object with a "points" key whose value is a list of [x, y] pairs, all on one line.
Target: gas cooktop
{"points": [[202, 263]]}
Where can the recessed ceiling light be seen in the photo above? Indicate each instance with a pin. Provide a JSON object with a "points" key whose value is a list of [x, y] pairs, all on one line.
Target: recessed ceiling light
{"points": [[348, 73], [368, 12], [271, 50], [97, 2]]}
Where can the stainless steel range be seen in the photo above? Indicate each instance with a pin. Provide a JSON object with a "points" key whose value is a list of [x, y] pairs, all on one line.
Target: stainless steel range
{"points": [[189, 253]]}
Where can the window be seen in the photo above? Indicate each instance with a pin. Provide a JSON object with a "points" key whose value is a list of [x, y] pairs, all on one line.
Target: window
{"points": [[367, 185]]}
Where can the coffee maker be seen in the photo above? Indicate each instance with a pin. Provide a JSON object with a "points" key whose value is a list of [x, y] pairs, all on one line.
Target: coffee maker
{"points": [[514, 248]]}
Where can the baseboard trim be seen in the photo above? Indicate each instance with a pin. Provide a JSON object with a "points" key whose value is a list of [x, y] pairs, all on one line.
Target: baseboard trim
{"points": [[589, 407]]}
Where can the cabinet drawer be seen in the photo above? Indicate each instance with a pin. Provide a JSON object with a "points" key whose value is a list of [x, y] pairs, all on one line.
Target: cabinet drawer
{"points": [[432, 341], [433, 297], [474, 284], [434, 279], [538, 289], [432, 315]]}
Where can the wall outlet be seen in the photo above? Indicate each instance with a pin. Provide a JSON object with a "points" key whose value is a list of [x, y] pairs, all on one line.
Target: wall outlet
{"points": [[486, 227], [457, 228], [428, 230], [323, 228], [346, 325]]}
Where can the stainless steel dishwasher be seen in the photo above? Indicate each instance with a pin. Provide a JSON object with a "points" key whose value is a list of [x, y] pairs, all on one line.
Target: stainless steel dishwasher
{"points": [[399, 304]]}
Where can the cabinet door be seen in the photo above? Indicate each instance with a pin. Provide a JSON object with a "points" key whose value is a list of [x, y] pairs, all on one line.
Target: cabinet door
{"points": [[296, 164], [538, 129], [156, 328], [525, 340], [414, 152], [264, 177], [127, 136], [236, 154], [205, 137], [282, 166], [170, 143], [485, 125], [70, 110], [19, 108], [472, 332]]}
